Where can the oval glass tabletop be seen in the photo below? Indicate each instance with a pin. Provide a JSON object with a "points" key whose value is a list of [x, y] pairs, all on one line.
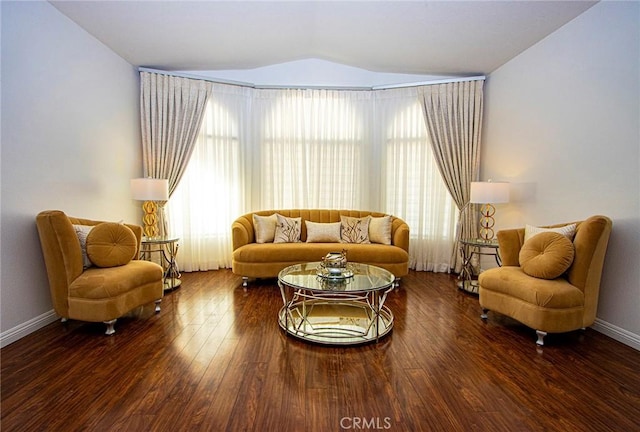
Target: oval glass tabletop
{"points": [[357, 278]]}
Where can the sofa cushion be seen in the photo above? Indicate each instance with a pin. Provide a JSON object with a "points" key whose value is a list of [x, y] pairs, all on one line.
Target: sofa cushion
{"points": [[380, 230], [111, 244], [568, 231], [265, 228], [323, 232], [295, 253], [287, 229], [355, 230], [546, 255]]}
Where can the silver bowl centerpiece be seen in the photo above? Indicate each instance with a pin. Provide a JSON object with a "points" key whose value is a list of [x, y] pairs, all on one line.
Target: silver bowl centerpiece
{"points": [[334, 265]]}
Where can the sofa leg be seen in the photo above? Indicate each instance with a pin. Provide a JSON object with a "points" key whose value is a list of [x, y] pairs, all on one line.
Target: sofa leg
{"points": [[157, 302], [397, 282], [484, 313], [245, 281], [110, 325], [64, 319], [541, 334]]}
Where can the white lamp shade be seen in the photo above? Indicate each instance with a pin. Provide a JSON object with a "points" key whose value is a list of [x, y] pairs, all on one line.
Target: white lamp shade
{"points": [[489, 192], [150, 189]]}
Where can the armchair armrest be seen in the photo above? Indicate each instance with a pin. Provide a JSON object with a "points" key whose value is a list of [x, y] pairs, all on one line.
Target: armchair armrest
{"points": [[137, 231], [510, 242]]}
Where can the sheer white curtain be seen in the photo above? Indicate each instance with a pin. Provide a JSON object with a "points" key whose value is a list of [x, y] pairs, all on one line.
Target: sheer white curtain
{"points": [[314, 147], [413, 187], [215, 188]]}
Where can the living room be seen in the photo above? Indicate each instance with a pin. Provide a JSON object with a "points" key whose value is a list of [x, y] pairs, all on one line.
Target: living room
{"points": [[561, 124]]}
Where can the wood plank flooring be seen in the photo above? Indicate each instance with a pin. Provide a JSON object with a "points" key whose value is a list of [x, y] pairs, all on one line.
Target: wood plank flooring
{"points": [[215, 359]]}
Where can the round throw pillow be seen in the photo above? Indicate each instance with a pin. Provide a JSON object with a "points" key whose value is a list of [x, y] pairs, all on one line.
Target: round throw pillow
{"points": [[546, 255], [111, 244]]}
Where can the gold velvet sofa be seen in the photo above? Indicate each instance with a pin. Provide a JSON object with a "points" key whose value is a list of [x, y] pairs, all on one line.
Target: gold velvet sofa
{"points": [[565, 303], [266, 260], [90, 292]]}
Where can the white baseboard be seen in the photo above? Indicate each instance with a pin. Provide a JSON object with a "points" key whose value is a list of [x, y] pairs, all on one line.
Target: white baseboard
{"points": [[617, 333], [26, 328]]}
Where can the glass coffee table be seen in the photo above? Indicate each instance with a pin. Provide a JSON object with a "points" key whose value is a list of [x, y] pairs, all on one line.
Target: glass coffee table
{"points": [[335, 310]]}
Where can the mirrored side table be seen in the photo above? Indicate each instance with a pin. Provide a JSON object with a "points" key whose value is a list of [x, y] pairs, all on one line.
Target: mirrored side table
{"points": [[470, 248], [165, 250]]}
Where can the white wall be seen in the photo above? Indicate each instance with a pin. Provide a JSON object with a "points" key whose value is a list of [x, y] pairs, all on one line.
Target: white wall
{"points": [[70, 141], [562, 123]]}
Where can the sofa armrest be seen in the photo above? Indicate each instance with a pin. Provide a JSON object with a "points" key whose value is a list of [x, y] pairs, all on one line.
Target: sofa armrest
{"points": [[510, 242], [241, 232], [400, 236]]}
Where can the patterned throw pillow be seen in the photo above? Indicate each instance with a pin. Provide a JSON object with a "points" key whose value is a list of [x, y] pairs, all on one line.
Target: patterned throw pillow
{"points": [[355, 230], [323, 232], [82, 231], [287, 229], [264, 228], [569, 231], [380, 230]]}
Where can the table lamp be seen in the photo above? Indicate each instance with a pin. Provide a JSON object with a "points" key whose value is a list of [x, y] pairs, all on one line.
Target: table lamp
{"points": [[151, 191], [488, 193]]}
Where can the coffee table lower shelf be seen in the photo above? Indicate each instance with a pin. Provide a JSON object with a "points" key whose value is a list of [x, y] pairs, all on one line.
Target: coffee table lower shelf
{"points": [[335, 322]]}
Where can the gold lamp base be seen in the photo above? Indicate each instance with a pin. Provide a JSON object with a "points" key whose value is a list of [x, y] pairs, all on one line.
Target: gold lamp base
{"points": [[487, 222], [150, 219]]}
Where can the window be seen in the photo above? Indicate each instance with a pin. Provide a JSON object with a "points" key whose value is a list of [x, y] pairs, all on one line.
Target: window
{"points": [[214, 189], [313, 146], [270, 149], [413, 186]]}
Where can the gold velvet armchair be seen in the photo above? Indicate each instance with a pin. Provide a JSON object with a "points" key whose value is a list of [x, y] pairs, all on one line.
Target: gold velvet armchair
{"points": [[548, 304], [115, 283]]}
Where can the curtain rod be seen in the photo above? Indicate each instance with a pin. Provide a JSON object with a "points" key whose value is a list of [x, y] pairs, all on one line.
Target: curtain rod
{"points": [[265, 87]]}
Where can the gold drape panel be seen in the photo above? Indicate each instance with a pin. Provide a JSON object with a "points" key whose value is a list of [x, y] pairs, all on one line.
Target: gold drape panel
{"points": [[453, 116], [171, 112]]}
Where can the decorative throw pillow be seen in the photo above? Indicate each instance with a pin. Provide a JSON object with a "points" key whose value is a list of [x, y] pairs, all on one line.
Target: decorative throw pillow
{"points": [[569, 231], [380, 230], [264, 228], [546, 255], [111, 244], [323, 232], [82, 231], [355, 230], [287, 229]]}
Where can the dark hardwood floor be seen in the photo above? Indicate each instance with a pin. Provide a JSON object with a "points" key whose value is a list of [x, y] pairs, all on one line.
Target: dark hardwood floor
{"points": [[215, 359]]}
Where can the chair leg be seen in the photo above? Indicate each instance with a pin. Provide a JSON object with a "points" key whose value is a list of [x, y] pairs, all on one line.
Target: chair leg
{"points": [[110, 327], [245, 281], [158, 305], [541, 334], [397, 282], [484, 313]]}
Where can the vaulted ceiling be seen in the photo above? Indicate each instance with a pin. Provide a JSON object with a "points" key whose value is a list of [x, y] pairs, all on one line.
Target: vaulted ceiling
{"points": [[418, 37]]}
